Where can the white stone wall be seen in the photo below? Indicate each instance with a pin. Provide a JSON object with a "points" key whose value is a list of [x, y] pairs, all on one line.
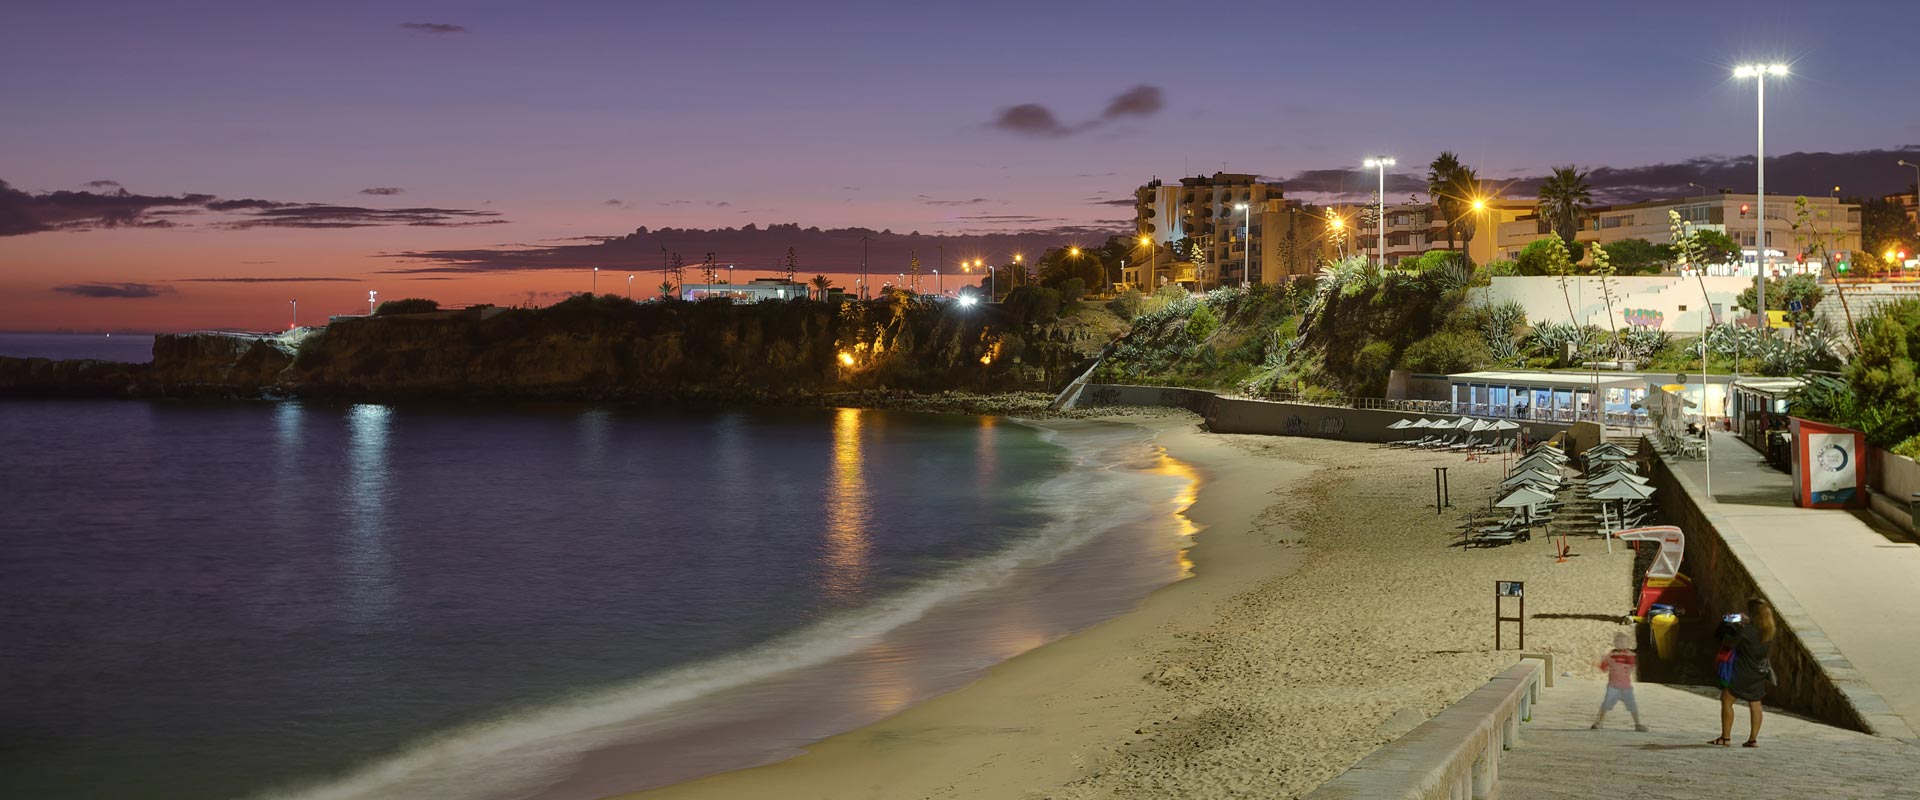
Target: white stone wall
{"points": [[1644, 301]]}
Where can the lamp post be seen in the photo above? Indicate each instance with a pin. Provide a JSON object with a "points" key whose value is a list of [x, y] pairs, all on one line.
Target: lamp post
{"points": [[1153, 261], [1019, 270], [1760, 73], [596, 280], [939, 286], [629, 286], [1246, 242], [371, 296], [863, 266], [1381, 164], [294, 320]]}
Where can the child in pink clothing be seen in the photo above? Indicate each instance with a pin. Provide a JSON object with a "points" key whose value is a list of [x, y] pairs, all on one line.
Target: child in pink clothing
{"points": [[1618, 664]]}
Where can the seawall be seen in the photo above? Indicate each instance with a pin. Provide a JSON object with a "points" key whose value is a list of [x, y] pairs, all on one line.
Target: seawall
{"points": [[1278, 418]]}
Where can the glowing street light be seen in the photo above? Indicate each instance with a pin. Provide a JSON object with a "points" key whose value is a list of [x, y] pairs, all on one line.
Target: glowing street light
{"points": [[1381, 164], [1760, 73], [371, 296], [1153, 260], [294, 321], [629, 286], [596, 280]]}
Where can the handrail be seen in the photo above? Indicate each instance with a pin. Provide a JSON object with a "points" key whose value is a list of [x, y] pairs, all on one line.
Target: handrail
{"points": [[1455, 755]]}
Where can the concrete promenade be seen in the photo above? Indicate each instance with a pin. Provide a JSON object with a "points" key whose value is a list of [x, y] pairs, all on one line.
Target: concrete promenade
{"points": [[1559, 758], [1855, 576]]}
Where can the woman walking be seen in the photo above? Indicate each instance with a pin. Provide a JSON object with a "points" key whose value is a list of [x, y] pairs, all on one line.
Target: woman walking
{"points": [[1746, 640]]}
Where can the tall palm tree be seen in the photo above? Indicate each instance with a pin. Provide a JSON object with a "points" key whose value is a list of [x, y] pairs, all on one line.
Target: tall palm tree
{"points": [[822, 283], [1443, 185], [1563, 199]]}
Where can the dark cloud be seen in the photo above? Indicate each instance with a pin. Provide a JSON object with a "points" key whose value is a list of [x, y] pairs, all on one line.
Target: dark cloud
{"points": [[1118, 201], [1033, 119], [102, 184], [1859, 173], [436, 28], [382, 191], [265, 280], [834, 250], [616, 204], [1030, 119], [1139, 101], [123, 290], [24, 213], [971, 201]]}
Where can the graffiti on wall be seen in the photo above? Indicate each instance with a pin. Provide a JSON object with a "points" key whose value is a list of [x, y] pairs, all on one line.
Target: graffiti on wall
{"points": [[1644, 317]]}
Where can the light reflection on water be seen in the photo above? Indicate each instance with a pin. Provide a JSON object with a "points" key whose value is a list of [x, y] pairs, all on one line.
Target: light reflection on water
{"points": [[366, 560], [848, 511]]}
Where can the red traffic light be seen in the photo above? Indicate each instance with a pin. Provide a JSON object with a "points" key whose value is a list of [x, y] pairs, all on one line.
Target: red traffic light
{"points": [[1743, 209]]}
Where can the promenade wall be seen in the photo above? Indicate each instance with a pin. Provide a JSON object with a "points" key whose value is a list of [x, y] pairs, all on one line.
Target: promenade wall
{"points": [[1814, 678], [1277, 418]]}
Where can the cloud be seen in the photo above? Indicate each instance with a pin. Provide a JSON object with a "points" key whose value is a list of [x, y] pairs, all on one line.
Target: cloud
{"points": [[434, 28], [971, 201], [835, 250], [266, 280], [1034, 119], [102, 184], [1118, 201], [1030, 119], [616, 204], [23, 213], [1139, 101], [122, 290], [382, 191]]}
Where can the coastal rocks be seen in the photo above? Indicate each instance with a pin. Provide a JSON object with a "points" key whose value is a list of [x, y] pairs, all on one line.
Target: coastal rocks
{"points": [[219, 363], [40, 377]]}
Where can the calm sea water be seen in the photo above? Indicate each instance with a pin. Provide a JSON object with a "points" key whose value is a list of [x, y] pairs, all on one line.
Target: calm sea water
{"points": [[304, 600], [131, 348]]}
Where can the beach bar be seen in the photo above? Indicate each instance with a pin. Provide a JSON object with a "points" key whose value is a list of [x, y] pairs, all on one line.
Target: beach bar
{"points": [[1550, 396]]}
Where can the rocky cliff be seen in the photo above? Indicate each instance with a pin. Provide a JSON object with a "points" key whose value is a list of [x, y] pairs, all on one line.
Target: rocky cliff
{"points": [[609, 348]]}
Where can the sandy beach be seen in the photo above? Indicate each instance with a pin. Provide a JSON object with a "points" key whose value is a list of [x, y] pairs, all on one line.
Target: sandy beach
{"points": [[1328, 613]]}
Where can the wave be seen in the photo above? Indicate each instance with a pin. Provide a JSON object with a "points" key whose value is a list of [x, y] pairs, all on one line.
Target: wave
{"points": [[525, 750]]}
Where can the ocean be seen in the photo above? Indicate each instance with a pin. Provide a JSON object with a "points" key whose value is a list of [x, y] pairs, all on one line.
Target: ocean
{"points": [[315, 600], [131, 348]]}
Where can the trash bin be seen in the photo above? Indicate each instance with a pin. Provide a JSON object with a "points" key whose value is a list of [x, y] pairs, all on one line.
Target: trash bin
{"points": [[1662, 626]]}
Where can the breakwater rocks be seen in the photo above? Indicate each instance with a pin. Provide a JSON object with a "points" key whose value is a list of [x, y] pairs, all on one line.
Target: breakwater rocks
{"points": [[604, 348]]}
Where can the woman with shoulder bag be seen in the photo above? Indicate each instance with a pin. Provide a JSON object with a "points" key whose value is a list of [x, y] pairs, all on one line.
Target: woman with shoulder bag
{"points": [[1746, 642]]}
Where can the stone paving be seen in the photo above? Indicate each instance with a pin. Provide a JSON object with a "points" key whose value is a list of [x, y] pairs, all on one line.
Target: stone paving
{"points": [[1559, 758], [1853, 573]]}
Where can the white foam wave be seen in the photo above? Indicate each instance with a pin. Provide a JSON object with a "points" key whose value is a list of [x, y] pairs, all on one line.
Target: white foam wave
{"points": [[519, 753]]}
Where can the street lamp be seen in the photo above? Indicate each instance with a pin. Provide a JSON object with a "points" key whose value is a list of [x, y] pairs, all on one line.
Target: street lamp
{"points": [[629, 286], [371, 296], [1381, 164], [1916, 188], [596, 280], [1246, 242], [1019, 269], [939, 287], [1760, 73], [294, 321], [1153, 261]]}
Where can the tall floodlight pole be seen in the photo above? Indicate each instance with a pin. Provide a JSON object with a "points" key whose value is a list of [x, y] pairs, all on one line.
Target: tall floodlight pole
{"points": [[371, 296], [1381, 164], [294, 321], [596, 280], [1759, 73], [1246, 242]]}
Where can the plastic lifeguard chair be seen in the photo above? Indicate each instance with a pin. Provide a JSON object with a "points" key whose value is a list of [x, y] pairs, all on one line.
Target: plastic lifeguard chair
{"points": [[1664, 584]]}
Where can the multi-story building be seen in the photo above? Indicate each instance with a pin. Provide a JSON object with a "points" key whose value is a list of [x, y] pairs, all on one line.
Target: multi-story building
{"points": [[1415, 228], [1245, 229], [1830, 221]]}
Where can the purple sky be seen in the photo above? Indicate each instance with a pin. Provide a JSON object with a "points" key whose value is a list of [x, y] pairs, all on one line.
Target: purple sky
{"points": [[594, 118]]}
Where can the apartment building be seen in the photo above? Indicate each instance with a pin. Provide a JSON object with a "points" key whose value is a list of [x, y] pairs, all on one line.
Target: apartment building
{"points": [[1245, 228], [1733, 214], [1414, 228]]}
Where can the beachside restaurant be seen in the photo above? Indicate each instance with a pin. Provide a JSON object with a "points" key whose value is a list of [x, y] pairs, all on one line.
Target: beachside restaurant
{"points": [[1548, 396], [1759, 411]]}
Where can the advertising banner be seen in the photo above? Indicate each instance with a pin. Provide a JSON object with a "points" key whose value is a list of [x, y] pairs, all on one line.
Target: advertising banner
{"points": [[1827, 470]]}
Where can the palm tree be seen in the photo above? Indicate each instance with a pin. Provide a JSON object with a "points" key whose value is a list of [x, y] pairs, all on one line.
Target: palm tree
{"points": [[1563, 199], [1443, 185], [822, 283], [666, 290]]}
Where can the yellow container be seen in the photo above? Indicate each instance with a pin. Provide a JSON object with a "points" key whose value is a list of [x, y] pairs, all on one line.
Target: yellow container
{"points": [[1666, 634]]}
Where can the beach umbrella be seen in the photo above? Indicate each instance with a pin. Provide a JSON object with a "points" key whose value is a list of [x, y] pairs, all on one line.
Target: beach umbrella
{"points": [[1478, 426], [1505, 425], [1622, 490], [1401, 425], [1608, 457], [1530, 476], [1617, 477], [1604, 447], [1524, 497], [1423, 423], [1543, 458]]}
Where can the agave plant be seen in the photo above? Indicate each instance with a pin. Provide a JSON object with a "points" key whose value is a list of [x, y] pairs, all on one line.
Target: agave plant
{"points": [[1643, 343]]}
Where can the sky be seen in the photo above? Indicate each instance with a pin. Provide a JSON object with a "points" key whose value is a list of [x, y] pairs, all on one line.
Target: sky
{"points": [[484, 151]]}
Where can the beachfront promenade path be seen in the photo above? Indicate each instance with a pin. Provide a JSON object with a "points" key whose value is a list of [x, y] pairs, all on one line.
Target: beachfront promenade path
{"points": [[1855, 575], [1558, 758]]}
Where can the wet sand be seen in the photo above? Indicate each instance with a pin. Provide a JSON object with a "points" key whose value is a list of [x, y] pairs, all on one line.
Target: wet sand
{"points": [[1327, 613]]}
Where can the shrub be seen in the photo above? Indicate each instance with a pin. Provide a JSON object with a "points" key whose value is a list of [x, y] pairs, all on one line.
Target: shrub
{"points": [[1033, 304], [1071, 290], [1371, 365], [1128, 305], [1202, 322], [1446, 352], [411, 305]]}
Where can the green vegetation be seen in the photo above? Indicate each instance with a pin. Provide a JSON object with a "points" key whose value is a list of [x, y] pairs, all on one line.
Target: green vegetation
{"points": [[1639, 256], [411, 305], [1781, 293], [1564, 199], [1880, 393]]}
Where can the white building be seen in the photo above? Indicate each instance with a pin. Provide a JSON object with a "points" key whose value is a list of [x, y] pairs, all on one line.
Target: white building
{"points": [[1732, 214]]}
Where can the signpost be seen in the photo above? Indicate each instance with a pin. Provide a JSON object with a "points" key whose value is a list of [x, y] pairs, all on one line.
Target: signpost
{"points": [[1442, 496], [1518, 591]]}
